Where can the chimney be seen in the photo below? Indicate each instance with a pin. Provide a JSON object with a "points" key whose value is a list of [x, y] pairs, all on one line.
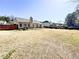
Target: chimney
{"points": [[31, 19]]}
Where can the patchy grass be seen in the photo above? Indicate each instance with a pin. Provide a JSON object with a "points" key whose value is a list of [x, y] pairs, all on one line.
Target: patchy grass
{"points": [[40, 44], [68, 36], [9, 54]]}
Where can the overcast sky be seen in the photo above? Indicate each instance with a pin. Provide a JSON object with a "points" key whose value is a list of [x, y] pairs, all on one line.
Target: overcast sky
{"points": [[52, 10]]}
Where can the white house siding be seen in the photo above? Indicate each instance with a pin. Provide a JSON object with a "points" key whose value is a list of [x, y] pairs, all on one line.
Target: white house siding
{"points": [[30, 25], [34, 25], [22, 25], [37, 24]]}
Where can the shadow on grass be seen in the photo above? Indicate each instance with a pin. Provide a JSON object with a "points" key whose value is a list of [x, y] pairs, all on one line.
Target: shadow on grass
{"points": [[9, 54]]}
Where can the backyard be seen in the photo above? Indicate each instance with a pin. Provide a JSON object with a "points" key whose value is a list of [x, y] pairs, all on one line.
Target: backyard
{"points": [[40, 44]]}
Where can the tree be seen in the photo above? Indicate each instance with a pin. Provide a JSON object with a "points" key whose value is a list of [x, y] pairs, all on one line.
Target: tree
{"points": [[4, 18], [77, 2], [72, 19]]}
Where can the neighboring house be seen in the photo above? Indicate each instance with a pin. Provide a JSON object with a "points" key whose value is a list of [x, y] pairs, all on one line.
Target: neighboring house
{"points": [[46, 24]]}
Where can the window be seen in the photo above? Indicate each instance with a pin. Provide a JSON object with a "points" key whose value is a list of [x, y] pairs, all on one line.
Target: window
{"points": [[24, 24], [20, 25]]}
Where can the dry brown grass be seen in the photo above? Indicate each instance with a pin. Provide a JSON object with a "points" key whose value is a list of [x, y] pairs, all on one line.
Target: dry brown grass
{"points": [[40, 44]]}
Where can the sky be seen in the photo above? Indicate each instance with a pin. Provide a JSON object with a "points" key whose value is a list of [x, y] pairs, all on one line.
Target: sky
{"points": [[51, 10]]}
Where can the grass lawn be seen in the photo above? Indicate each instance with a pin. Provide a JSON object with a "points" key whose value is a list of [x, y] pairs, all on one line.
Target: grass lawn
{"points": [[40, 44], [69, 36]]}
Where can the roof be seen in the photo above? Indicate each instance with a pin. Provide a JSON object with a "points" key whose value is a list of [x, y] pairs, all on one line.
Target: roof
{"points": [[17, 19], [21, 20]]}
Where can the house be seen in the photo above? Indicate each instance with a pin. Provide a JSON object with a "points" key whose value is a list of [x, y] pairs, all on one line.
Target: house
{"points": [[22, 23], [46, 24], [26, 23], [37, 24]]}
